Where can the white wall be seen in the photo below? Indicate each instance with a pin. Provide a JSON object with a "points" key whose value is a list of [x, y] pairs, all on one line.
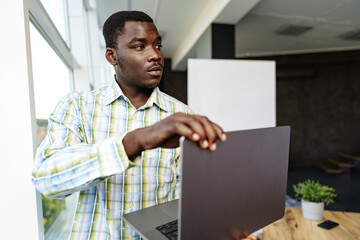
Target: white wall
{"points": [[236, 94], [18, 199]]}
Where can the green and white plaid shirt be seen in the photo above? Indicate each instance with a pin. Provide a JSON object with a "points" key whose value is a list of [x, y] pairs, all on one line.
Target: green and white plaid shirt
{"points": [[83, 151]]}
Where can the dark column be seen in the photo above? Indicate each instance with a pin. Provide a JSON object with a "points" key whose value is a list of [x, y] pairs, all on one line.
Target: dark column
{"points": [[223, 41], [174, 83]]}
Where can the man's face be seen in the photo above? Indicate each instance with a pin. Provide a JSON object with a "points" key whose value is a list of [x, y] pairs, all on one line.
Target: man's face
{"points": [[138, 54]]}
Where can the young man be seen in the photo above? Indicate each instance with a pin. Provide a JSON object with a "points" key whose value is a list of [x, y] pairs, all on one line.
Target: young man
{"points": [[118, 146]]}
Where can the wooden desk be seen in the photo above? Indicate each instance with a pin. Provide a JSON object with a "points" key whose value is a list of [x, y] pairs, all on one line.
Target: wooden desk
{"points": [[293, 226]]}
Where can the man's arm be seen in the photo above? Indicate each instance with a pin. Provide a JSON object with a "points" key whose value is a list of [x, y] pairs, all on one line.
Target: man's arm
{"points": [[66, 163], [166, 133]]}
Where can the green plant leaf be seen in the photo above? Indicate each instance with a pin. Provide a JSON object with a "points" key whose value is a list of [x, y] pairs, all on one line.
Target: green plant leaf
{"points": [[314, 192]]}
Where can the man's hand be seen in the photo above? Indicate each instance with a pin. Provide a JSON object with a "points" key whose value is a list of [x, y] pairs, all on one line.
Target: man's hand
{"points": [[168, 131]]}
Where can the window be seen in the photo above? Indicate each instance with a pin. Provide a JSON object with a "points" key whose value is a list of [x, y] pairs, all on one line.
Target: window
{"points": [[54, 69], [57, 10], [51, 76], [51, 83]]}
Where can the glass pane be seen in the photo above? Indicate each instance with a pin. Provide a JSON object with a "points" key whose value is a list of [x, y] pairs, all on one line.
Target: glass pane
{"points": [[58, 13], [51, 76], [51, 83]]}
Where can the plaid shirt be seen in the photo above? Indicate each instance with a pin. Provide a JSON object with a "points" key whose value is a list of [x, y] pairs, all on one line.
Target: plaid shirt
{"points": [[83, 151]]}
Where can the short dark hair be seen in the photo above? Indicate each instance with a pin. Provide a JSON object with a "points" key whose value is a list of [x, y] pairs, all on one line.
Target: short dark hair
{"points": [[114, 25]]}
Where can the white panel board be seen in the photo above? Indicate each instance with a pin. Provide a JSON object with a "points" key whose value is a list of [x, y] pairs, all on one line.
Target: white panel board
{"points": [[236, 94]]}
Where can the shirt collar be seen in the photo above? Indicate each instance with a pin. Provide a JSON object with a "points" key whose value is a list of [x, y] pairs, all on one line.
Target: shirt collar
{"points": [[156, 98], [113, 93]]}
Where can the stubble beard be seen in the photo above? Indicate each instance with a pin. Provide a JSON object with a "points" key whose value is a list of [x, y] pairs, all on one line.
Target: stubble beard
{"points": [[125, 70]]}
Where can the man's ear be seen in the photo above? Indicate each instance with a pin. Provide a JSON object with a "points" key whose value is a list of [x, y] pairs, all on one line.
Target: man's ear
{"points": [[110, 55]]}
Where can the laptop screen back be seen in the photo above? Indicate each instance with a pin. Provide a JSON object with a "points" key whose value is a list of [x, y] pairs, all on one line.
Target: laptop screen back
{"points": [[238, 189]]}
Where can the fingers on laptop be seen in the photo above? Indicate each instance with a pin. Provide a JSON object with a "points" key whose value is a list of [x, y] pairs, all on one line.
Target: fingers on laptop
{"points": [[205, 131], [195, 127]]}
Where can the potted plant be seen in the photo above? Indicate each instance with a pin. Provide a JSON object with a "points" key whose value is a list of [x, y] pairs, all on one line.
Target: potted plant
{"points": [[313, 196]]}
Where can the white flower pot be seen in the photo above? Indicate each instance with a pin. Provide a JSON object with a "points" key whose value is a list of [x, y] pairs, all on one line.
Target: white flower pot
{"points": [[312, 210]]}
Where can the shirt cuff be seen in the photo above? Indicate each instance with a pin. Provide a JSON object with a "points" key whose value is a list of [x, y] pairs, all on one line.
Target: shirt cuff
{"points": [[113, 158]]}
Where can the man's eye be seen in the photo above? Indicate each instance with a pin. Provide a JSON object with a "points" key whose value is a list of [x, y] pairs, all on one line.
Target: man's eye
{"points": [[159, 46], [138, 47]]}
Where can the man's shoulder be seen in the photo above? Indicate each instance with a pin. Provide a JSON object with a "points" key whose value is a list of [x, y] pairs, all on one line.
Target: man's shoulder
{"points": [[174, 104], [98, 95]]}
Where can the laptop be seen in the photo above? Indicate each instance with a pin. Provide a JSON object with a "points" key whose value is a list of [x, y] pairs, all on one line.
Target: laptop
{"points": [[226, 194]]}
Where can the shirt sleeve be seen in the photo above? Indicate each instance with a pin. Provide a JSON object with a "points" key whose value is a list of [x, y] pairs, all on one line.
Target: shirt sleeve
{"points": [[65, 163]]}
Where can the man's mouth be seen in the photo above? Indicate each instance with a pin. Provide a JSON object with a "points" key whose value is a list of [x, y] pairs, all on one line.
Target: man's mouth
{"points": [[155, 70]]}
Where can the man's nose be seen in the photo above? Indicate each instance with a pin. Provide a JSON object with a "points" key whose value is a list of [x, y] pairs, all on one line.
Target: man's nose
{"points": [[154, 55]]}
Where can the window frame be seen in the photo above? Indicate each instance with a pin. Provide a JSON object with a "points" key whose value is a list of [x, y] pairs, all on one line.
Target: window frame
{"points": [[41, 20]]}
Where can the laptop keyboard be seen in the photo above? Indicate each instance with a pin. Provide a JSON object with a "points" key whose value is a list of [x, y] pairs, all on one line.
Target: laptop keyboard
{"points": [[169, 229]]}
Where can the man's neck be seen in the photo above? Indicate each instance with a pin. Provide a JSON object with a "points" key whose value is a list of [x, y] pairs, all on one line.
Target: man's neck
{"points": [[137, 96]]}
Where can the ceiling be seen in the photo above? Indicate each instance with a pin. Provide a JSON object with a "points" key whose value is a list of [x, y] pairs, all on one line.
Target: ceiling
{"points": [[255, 33], [181, 23]]}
